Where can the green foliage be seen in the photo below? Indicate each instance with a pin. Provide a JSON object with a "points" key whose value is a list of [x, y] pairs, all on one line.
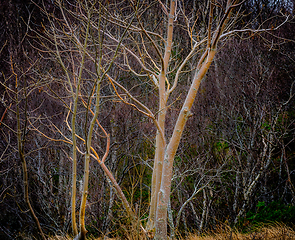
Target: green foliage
{"points": [[220, 146], [266, 126], [273, 212]]}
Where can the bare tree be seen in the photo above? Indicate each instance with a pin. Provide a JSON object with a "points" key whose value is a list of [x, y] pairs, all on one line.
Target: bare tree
{"points": [[157, 64], [94, 41], [83, 56]]}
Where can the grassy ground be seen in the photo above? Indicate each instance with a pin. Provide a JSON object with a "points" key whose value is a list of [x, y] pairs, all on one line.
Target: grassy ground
{"points": [[266, 232], [275, 232]]}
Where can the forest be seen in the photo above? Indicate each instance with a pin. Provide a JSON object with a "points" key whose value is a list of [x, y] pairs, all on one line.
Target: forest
{"points": [[145, 119]]}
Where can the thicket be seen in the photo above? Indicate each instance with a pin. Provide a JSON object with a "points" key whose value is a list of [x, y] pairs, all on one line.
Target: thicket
{"points": [[235, 163]]}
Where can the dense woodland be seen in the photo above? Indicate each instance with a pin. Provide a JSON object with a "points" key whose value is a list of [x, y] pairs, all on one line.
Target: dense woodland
{"points": [[77, 83]]}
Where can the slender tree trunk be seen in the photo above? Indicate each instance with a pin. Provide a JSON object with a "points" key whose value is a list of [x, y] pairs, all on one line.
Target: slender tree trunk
{"points": [[160, 142], [20, 144], [164, 193], [26, 194], [74, 174], [204, 210], [159, 157]]}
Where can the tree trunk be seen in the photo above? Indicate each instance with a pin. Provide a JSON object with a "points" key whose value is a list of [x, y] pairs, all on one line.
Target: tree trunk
{"points": [[164, 193]]}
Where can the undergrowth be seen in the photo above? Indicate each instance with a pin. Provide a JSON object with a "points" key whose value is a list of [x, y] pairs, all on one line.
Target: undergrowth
{"points": [[274, 231], [264, 231]]}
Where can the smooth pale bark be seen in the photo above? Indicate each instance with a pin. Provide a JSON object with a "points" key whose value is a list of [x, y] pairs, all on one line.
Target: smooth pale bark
{"points": [[82, 229], [73, 122], [164, 193], [160, 142], [201, 70], [74, 172], [73, 131], [159, 157], [204, 210]]}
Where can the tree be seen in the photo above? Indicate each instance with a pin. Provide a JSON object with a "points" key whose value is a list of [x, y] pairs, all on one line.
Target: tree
{"points": [[17, 91], [94, 41], [78, 49]]}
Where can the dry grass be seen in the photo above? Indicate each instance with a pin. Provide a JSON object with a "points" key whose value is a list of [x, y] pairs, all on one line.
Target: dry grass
{"points": [[70, 238], [275, 232], [266, 232], [60, 238]]}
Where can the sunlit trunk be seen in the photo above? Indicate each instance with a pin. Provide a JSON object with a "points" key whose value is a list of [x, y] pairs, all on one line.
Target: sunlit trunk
{"points": [[164, 193], [159, 157]]}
